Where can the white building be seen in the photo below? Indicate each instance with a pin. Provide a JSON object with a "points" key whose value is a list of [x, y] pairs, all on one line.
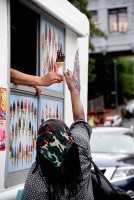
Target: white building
{"points": [[116, 19]]}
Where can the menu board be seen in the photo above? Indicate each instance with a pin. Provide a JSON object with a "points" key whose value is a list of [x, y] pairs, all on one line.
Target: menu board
{"points": [[23, 132], [51, 108], [52, 39]]}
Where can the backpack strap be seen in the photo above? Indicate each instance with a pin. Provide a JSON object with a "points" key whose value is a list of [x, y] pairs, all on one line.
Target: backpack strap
{"points": [[98, 171]]}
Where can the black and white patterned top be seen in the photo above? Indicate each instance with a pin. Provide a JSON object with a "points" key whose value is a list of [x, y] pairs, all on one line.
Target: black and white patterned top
{"points": [[35, 187]]}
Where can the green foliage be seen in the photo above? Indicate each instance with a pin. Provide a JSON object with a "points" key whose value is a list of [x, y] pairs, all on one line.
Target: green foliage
{"points": [[125, 77], [101, 76], [94, 31], [91, 75], [127, 85], [104, 82], [80, 4]]}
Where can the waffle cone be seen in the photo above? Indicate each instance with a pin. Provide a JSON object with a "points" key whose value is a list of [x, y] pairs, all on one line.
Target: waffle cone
{"points": [[59, 64]]}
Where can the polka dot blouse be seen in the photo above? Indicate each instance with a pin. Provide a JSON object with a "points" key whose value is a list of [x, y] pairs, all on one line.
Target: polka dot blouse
{"points": [[36, 188]]}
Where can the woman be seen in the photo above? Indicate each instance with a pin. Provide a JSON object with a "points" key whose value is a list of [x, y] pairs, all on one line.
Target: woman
{"points": [[62, 169]]}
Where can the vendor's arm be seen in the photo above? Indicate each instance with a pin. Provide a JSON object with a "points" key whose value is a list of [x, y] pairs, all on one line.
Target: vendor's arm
{"points": [[20, 78], [77, 107]]}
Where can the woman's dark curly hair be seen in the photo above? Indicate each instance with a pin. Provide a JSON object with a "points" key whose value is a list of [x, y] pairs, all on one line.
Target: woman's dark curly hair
{"points": [[67, 176]]}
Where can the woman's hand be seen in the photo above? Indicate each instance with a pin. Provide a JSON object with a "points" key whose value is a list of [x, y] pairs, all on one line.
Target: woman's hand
{"points": [[77, 107], [69, 79]]}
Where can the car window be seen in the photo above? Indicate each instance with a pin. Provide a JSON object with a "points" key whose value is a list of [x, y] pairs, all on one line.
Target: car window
{"points": [[112, 143]]}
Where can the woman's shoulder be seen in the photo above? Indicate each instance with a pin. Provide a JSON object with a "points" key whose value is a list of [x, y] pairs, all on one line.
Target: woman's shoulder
{"points": [[81, 123], [81, 132]]}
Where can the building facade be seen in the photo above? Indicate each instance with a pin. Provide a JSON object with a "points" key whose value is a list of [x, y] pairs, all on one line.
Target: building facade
{"points": [[116, 19]]}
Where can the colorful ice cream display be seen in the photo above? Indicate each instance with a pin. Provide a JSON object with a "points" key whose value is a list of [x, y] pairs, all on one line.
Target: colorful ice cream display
{"points": [[60, 59], [52, 40], [23, 132], [51, 108]]}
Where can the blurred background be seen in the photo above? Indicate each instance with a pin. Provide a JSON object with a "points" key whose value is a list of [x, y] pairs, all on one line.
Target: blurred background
{"points": [[111, 87], [111, 61]]}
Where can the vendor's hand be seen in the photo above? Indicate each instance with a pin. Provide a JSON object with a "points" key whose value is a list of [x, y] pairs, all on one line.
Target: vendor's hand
{"points": [[38, 90], [51, 78], [69, 79]]}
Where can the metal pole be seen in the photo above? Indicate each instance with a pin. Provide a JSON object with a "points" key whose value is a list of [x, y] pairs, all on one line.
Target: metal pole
{"points": [[116, 89], [133, 77]]}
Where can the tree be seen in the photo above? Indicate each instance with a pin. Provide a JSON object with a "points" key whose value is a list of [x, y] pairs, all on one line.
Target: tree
{"points": [[125, 77], [94, 31], [91, 76], [101, 70], [104, 82]]}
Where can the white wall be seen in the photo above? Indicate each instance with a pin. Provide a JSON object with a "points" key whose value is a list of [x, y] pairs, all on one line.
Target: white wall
{"points": [[3, 72], [3, 43], [66, 13], [70, 50], [73, 43]]}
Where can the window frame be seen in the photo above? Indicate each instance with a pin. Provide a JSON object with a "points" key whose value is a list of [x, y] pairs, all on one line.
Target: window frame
{"points": [[96, 15], [117, 13]]}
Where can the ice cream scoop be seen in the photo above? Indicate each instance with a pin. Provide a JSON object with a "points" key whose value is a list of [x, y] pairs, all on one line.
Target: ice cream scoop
{"points": [[60, 59], [60, 56]]}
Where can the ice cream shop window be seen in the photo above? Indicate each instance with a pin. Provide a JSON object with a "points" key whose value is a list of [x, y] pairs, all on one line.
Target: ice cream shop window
{"points": [[23, 38]]}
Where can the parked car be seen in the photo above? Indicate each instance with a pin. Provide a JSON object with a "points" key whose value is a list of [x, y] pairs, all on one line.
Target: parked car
{"points": [[113, 151]]}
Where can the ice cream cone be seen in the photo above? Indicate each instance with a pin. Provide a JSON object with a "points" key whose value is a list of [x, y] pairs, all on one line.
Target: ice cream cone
{"points": [[60, 61], [59, 67], [59, 64]]}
